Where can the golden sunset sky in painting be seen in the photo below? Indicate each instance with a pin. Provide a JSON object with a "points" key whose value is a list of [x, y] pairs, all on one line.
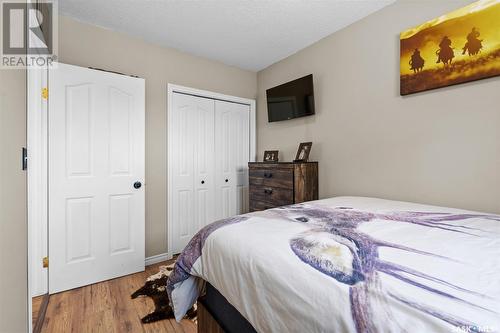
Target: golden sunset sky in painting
{"points": [[483, 14]]}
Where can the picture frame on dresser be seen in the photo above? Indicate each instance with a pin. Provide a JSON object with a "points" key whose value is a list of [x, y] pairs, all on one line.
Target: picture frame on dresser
{"points": [[271, 156], [303, 152]]}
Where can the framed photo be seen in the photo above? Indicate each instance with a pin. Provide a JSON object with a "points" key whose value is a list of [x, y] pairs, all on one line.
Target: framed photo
{"points": [[271, 156], [303, 152], [457, 47]]}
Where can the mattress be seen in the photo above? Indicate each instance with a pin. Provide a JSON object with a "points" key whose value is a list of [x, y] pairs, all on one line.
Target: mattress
{"points": [[349, 264]]}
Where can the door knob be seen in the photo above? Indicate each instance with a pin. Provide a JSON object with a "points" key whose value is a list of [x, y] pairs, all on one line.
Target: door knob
{"points": [[203, 182], [227, 180], [137, 185]]}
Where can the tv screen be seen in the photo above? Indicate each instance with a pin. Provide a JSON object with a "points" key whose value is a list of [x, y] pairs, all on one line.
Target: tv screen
{"points": [[291, 100]]}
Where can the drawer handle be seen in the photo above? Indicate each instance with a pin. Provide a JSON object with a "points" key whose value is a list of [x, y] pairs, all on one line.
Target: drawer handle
{"points": [[268, 191], [268, 175]]}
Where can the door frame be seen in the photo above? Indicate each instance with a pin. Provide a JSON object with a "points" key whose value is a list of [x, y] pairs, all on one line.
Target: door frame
{"points": [[174, 88], [37, 136], [37, 182]]}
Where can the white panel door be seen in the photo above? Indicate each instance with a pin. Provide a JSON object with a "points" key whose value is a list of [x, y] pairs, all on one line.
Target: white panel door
{"points": [[96, 156], [192, 167], [232, 153]]}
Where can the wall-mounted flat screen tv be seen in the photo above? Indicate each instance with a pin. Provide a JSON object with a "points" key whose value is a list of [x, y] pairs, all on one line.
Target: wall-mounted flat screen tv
{"points": [[291, 100]]}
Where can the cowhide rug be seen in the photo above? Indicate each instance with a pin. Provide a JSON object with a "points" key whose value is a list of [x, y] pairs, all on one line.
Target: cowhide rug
{"points": [[155, 287]]}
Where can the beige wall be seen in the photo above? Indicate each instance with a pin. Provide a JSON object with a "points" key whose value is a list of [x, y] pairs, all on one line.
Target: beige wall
{"points": [[85, 45], [440, 147], [13, 227]]}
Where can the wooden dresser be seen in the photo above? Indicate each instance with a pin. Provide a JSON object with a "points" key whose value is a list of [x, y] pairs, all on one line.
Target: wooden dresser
{"points": [[279, 184]]}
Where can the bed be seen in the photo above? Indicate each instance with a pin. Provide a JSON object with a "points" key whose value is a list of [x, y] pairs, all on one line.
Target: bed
{"points": [[349, 264]]}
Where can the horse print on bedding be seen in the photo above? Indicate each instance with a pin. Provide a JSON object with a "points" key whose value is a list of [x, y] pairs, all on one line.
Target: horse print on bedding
{"points": [[336, 243], [335, 246]]}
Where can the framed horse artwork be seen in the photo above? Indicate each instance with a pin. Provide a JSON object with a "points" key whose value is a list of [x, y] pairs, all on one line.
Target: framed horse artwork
{"points": [[457, 47]]}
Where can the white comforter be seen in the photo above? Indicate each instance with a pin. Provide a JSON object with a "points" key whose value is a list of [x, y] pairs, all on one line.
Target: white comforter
{"points": [[350, 264]]}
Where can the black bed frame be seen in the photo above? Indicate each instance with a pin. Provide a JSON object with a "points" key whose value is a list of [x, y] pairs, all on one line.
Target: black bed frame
{"points": [[228, 318]]}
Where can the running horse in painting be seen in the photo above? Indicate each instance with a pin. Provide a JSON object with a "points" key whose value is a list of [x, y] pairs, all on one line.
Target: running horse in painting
{"points": [[473, 45], [445, 53], [416, 61]]}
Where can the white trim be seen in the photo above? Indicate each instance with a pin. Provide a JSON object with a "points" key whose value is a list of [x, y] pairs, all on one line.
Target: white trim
{"points": [[29, 249], [36, 144], [37, 179], [158, 258], [171, 88]]}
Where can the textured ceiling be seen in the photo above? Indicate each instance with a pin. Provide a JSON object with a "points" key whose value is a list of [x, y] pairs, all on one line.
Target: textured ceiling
{"points": [[247, 34]]}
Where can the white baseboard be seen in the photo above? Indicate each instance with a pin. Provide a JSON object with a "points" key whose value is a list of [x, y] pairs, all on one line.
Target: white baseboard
{"points": [[158, 258]]}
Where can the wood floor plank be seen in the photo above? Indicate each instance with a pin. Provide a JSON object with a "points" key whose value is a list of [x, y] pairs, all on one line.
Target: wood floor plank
{"points": [[86, 301], [159, 326], [36, 305], [40, 304], [126, 321], [189, 326], [185, 326], [59, 304], [175, 327], [76, 310], [99, 298], [58, 324], [99, 322], [106, 307]]}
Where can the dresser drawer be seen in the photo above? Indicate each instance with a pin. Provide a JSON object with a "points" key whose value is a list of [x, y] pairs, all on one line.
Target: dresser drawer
{"points": [[272, 195], [259, 205], [282, 178]]}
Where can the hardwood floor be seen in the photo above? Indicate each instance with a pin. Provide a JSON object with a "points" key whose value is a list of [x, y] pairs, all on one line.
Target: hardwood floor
{"points": [[107, 307], [39, 307], [36, 305]]}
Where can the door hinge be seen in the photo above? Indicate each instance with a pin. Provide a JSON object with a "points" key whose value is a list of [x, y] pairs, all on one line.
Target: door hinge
{"points": [[45, 262], [45, 93]]}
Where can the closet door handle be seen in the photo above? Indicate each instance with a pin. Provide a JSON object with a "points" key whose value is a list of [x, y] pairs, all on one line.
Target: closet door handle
{"points": [[203, 182], [227, 180]]}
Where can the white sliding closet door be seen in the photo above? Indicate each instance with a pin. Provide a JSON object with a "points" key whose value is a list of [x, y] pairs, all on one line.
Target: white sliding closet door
{"points": [[208, 163], [232, 153], [192, 166]]}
